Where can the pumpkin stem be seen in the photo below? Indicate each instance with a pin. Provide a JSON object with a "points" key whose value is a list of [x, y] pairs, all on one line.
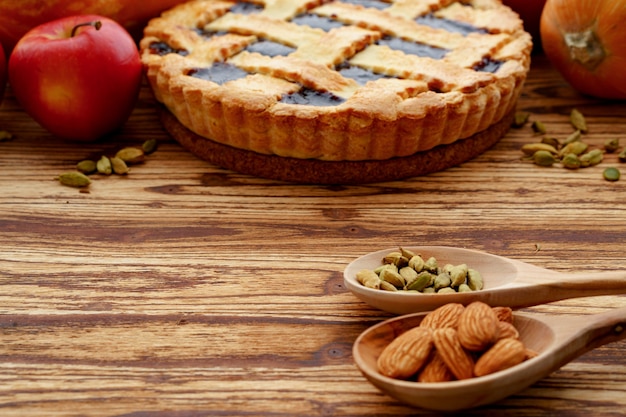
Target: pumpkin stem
{"points": [[97, 24], [585, 48]]}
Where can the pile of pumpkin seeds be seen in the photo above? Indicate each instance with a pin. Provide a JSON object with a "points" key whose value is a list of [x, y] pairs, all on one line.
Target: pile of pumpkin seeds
{"points": [[107, 165], [407, 271], [572, 152]]}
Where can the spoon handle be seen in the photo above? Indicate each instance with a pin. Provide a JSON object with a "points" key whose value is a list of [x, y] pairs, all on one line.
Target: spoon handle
{"points": [[597, 283], [576, 335], [542, 286]]}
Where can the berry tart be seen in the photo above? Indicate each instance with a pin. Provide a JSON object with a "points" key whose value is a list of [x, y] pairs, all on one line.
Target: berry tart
{"points": [[345, 91]]}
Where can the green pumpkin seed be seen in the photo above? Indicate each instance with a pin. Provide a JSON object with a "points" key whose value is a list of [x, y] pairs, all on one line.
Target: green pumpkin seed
{"points": [[474, 280], [149, 146], [458, 275], [424, 279], [119, 166], [431, 265], [86, 167], [538, 127], [104, 166], [74, 179], [520, 119], [368, 279], [530, 148], [611, 145], [611, 174], [574, 137], [591, 158], [577, 148], [393, 278], [131, 155], [554, 142], [571, 161], [578, 120], [442, 280], [544, 158]]}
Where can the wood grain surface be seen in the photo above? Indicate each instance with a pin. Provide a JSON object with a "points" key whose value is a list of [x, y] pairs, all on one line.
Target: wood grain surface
{"points": [[183, 289]]}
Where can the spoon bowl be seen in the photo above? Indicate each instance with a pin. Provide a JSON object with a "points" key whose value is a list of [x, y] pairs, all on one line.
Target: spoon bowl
{"points": [[557, 339], [507, 282]]}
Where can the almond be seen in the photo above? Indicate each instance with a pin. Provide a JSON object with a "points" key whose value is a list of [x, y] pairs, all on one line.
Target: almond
{"points": [[406, 354], [458, 360], [504, 354], [444, 316], [507, 330], [478, 327], [504, 314], [530, 353], [435, 370]]}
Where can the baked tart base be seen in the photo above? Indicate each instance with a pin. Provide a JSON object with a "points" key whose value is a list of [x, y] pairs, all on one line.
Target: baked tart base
{"points": [[315, 171], [344, 90]]}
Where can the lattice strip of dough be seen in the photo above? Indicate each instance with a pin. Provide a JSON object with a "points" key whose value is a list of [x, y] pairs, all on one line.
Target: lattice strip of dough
{"points": [[315, 76], [475, 47], [336, 45], [515, 50], [495, 21], [439, 75], [483, 4], [386, 95], [176, 37], [265, 27], [390, 25], [219, 48], [264, 85], [195, 14], [412, 9], [287, 9], [187, 16]]}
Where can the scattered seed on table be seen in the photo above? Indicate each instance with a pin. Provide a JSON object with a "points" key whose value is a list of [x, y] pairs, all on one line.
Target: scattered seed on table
{"points": [[611, 174]]}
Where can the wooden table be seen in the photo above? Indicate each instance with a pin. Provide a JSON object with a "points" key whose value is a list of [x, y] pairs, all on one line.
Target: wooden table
{"points": [[184, 289]]}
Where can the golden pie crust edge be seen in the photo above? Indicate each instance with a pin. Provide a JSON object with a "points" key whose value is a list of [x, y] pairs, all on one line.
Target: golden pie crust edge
{"points": [[315, 171], [339, 133]]}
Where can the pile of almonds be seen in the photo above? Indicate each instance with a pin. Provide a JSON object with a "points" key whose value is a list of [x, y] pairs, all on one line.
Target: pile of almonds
{"points": [[455, 342]]}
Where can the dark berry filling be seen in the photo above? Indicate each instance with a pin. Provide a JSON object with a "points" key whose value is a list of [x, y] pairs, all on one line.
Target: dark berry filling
{"points": [[269, 48], [374, 4], [162, 48], [449, 25], [488, 65], [413, 48], [315, 21], [219, 73], [360, 75], [310, 97], [246, 8]]}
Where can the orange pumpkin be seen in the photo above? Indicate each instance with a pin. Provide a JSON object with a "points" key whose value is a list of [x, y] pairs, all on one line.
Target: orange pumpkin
{"points": [[18, 17], [586, 42]]}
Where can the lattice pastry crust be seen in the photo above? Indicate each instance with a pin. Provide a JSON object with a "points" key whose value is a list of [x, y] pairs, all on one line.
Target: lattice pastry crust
{"points": [[214, 65]]}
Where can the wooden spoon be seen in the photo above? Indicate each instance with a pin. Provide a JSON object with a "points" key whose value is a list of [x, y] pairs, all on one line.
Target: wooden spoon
{"points": [[558, 339], [508, 282]]}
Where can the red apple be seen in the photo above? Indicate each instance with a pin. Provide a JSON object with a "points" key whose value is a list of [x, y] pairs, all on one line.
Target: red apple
{"points": [[78, 77], [3, 72]]}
